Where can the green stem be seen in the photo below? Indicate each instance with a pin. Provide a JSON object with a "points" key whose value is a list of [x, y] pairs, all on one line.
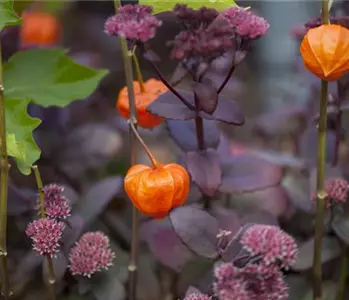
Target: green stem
{"points": [[4, 168], [132, 267], [51, 273], [320, 193], [138, 72], [320, 178]]}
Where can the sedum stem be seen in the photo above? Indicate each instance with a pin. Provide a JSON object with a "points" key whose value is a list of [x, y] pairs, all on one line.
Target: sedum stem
{"points": [[127, 59], [51, 273], [4, 169], [138, 72]]}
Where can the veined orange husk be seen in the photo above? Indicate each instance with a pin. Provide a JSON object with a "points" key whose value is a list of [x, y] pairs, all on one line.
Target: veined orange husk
{"points": [[155, 191], [325, 51]]}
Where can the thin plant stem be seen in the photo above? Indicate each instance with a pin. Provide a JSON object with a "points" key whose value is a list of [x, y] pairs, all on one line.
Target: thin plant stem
{"points": [[170, 87], [51, 272], [138, 72], [145, 147], [230, 73], [5, 286], [320, 178], [132, 267]]}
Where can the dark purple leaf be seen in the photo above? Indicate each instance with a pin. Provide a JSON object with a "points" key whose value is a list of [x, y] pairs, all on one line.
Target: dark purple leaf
{"points": [[20, 200], [72, 232], [184, 134], [150, 55], [331, 249], [197, 229], [227, 219], [205, 170], [340, 226], [227, 111], [168, 106], [178, 75], [97, 197], [308, 145], [206, 93], [247, 173], [165, 244]]}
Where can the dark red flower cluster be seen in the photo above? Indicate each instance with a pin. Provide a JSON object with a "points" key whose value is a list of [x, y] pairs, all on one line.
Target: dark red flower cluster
{"points": [[56, 205], [245, 22], [133, 22]]}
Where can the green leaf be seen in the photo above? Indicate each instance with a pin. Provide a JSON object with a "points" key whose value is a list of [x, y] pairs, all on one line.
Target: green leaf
{"points": [[48, 77], [19, 134], [7, 14], [20, 5], [160, 6]]}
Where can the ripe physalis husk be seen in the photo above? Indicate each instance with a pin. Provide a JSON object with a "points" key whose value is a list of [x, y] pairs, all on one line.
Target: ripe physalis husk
{"points": [[156, 190], [39, 29], [153, 89], [325, 51]]}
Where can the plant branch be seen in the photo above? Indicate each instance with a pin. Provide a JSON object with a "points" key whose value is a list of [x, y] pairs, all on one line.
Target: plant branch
{"points": [[320, 193], [127, 59], [138, 72], [4, 169], [145, 147], [51, 273], [170, 87], [230, 73], [320, 178]]}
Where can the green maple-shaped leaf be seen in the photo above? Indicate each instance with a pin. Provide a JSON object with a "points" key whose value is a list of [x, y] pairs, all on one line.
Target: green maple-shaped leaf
{"points": [[48, 77], [19, 134], [160, 6], [7, 14]]}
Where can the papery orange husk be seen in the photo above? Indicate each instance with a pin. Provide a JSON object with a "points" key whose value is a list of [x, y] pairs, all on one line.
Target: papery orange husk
{"points": [[153, 89], [39, 29], [325, 51], [156, 190]]}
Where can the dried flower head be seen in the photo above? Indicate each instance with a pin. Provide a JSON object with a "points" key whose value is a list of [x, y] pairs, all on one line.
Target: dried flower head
{"points": [[245, 22], [91, 254], [197, 296], [56, 205], [270, 243], [45, 235], [133, 22]]}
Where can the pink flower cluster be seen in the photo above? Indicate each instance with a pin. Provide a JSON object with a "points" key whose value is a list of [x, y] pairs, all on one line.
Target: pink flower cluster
{"points": [[273, 245], [45, 235], [245, 22], [337, 190], [56, 205], [260, 279], [133, 22], [253, 282], [197, 296], [91, 254]]}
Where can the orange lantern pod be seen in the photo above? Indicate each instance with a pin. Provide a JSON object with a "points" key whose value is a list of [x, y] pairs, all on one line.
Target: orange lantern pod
{"points": [[39, 29], [325, 51], [153, 89], [156, 190]]}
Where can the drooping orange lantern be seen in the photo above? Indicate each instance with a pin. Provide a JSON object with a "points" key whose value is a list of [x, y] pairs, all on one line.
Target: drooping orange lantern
{"points": [[156, 190], [325, 51], [153, 89], [39, 29]]}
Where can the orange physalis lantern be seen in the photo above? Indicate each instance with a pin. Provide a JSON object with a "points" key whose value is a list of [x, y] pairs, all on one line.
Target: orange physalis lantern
{"points": [[39, 29], [156, 190], [325, 51], [153, 89]]}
